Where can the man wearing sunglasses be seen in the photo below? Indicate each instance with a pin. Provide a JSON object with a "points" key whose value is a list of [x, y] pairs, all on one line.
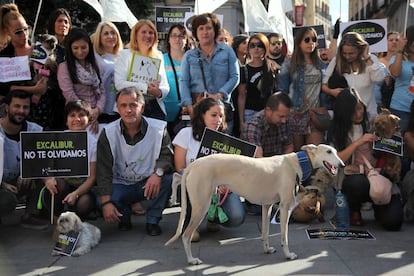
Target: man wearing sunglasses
{"points": [[276, 47]]}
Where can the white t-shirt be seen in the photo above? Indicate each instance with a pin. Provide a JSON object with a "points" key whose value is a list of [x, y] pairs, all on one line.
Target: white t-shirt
{"points": [[185, 139]]}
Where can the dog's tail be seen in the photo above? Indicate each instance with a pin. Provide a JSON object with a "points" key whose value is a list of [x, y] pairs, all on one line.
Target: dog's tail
{"points": [[183, 207]]}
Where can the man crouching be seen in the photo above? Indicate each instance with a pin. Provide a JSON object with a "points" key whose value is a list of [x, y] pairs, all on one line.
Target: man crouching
{"points": [[134, 153]]}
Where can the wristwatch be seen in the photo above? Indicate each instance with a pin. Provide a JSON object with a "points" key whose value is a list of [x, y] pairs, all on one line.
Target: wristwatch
{"points": [[159, 172]]}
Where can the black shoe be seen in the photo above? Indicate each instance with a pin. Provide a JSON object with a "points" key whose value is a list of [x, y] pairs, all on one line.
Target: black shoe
{"points": [[153, 229], [125, 226]]}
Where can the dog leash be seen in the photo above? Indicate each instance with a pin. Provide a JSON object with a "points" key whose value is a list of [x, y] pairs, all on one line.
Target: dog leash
{"points": [[221, 200]]}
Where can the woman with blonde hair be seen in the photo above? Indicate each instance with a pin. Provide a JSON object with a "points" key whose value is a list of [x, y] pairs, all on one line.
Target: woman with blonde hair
{"points": [[258, 79], [14, 29], [144, 42], [360, 69], [107, 44]]}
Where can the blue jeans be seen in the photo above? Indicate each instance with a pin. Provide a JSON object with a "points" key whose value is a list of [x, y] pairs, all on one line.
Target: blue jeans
{"points": [[125, 195]]}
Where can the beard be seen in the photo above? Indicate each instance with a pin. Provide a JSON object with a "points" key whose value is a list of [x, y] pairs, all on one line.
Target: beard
{"points": [[17, 119]]}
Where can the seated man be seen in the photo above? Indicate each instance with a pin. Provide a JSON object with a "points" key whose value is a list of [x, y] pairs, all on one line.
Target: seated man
{"points": [[134, 153], [13, 187]]}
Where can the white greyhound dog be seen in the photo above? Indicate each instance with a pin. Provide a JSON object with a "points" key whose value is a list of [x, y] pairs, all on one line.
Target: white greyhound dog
{"points": [[263, 181]]}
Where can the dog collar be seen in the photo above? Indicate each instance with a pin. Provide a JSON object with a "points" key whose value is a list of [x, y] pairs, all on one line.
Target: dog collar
{"points": [[305, 164]]}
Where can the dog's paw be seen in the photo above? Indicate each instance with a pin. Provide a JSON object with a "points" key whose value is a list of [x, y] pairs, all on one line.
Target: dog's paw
{"points": [[291, 256], [270, 250], [195, 261]]}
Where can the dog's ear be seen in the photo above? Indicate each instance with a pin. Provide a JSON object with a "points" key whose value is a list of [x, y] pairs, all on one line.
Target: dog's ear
{"points": [[77, 225], [395, 118], [308, 147]]}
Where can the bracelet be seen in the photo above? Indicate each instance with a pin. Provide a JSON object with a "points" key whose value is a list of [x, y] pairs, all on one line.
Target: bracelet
{"points": [[107, 202]]}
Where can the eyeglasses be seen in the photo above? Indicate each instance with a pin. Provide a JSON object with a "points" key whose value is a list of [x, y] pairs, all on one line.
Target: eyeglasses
{"points": [[308, 39], [174, 36], [253, 45], [274, 43], [21, 31]]}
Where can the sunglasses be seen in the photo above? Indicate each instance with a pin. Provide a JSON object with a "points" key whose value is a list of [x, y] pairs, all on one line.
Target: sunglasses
{"points": [[274, 43], [308, 39], [21, 31], [253, 45]]}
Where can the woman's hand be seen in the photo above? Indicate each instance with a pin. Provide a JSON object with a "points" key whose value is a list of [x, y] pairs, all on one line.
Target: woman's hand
{"points": [[216, 96], [402, 42], [9, 187], [71, 198], [50, 184], [154, 89], [367, 138]]}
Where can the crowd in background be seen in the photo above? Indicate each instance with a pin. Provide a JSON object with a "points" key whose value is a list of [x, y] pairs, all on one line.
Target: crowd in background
{"points": [[247, 86]]}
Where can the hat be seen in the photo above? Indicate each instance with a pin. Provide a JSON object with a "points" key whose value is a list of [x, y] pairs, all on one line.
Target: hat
{"points": [[39, 53]]}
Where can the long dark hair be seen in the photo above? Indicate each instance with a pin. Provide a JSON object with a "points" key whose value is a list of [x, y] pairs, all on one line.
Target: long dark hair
{"points": [[410, 126], [74, 35], [344, 109], [197, 121], [53, 17], [298, 58]]}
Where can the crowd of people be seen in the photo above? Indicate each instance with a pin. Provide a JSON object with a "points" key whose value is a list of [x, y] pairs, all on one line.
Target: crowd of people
{"points": [[246, 86]]}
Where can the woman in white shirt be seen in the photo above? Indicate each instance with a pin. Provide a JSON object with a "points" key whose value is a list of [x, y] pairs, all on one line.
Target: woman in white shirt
{"points": [[208, 113]]}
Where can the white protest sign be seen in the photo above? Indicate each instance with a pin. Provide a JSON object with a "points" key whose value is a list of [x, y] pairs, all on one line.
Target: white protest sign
{"points": [[14, 69]]}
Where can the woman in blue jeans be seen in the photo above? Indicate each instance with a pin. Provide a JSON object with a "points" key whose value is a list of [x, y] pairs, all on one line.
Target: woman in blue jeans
{"points": [[207, 113]]}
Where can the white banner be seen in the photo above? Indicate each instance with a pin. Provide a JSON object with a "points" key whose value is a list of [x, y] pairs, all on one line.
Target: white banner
{"points": [[203, 6], [280, 22], [118, 11]]}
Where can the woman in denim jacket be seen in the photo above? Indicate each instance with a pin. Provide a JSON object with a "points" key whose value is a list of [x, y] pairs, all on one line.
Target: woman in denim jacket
{"points": [[216, 61], [301, 78]]}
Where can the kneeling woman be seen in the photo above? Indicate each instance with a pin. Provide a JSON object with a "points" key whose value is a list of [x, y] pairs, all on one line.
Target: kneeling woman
{"points": [[349, 135], [208, 113], [75, 193]]}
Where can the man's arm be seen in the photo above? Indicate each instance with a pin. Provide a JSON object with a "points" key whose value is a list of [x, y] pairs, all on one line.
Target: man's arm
{"points": [[166, 158], [104, 163]]}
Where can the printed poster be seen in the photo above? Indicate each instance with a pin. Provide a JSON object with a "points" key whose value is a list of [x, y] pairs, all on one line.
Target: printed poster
{"points": [[54, 154]]}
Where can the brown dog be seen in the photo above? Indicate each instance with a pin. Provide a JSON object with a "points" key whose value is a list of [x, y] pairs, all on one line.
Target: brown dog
{"points": [[311, 199], [385, 125]]}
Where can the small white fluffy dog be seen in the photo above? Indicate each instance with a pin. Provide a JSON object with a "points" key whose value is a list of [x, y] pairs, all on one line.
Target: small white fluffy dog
{"points": [[89, 237]]}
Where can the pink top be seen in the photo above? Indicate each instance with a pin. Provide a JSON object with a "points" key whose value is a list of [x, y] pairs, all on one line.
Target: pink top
{"points": [[77, 91]]}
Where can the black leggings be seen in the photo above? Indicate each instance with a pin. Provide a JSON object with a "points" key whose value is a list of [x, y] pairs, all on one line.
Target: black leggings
{"points": [[83, 206], [356, 189]]}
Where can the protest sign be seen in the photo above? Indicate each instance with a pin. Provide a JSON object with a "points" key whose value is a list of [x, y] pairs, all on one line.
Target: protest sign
{"points": [[66, 243], [392, 145], [14, 69], [144, 69], [329, 234], [168, 16], [54, 154], [217, 142], [374, 32]]}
